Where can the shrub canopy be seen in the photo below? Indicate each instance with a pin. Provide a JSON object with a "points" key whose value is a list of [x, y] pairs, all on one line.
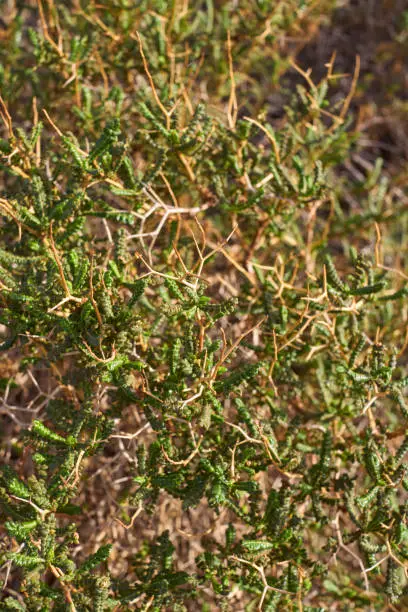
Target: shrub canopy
{"points": [[204, 311]]}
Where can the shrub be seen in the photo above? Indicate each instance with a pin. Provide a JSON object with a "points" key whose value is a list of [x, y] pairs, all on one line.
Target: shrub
{"points": [[204, 318]]}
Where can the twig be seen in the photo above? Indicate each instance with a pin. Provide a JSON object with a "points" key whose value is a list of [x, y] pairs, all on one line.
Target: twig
{"points": [[151, 82], [261, 572], [347, 101], [5, 115], [350, 552], [270, 136], [232, 103]]}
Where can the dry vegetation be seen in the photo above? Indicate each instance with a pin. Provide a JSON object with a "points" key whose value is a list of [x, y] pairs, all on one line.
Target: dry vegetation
{"points": [[203, 305]]}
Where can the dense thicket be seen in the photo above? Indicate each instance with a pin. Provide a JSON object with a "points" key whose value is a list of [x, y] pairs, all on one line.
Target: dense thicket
{"points": [[203, 276]]}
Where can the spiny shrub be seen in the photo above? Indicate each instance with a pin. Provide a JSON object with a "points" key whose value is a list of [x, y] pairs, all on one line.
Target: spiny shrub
{"points": [[203, 313]]}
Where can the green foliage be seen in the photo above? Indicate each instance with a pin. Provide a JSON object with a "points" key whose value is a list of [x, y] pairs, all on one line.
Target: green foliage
{"points": [[202, 299]]}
